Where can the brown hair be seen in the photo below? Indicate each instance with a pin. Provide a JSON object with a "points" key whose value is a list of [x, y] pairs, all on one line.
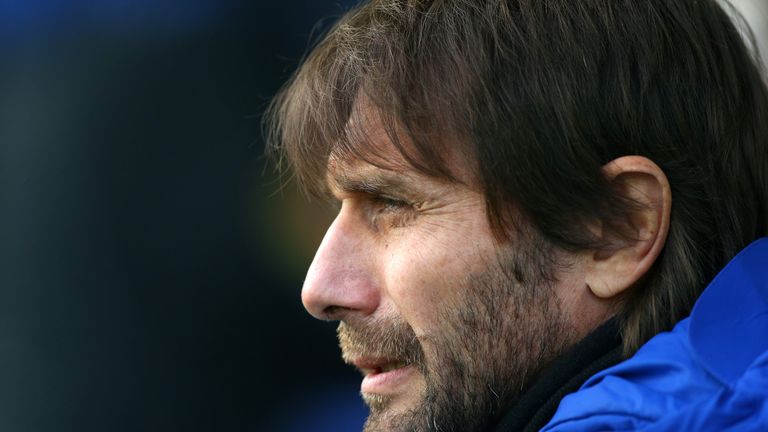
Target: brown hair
{"points": [[541, 94]]}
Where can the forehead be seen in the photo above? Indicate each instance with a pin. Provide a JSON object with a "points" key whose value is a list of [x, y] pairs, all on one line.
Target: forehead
{"points": [[356, 176], [377, 148]]}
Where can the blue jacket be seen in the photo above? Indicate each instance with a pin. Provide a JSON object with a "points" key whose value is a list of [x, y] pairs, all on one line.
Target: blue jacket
{"points": [[710, 373]]}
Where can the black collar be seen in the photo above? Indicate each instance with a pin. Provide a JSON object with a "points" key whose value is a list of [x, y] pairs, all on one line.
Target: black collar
{"points": [[597, 351]]}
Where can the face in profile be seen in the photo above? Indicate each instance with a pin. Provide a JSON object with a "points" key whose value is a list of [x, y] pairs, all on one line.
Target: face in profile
{"points": [[445, 323]]}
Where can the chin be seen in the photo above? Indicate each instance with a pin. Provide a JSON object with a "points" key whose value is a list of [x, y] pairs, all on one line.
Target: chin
{"points": [[392, 413]]}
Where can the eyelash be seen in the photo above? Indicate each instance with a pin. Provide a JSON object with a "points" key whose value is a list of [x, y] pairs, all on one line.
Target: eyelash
{"points": [[396, 211], [387, 204]]}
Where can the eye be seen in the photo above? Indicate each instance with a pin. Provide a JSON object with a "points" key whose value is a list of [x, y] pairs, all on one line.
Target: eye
{"points": [[391, 212], [388, 204]]}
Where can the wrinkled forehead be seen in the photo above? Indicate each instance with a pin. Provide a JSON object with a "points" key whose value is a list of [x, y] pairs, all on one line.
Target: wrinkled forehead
{"points": [[350, 174], [376, 143]]}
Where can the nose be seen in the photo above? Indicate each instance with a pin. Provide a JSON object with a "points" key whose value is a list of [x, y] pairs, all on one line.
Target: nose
{"points": [[340, 282]]}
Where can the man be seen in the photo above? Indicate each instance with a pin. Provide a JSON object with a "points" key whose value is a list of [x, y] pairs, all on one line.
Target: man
{"points": [[530, 190]]}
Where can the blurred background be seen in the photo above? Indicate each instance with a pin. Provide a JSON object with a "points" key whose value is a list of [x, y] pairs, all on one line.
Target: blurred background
{"points": [[150, 268], [150, 264]]}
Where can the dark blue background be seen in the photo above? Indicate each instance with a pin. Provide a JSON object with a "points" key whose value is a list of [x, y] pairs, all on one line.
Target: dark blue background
{"points": [[149, 271]]}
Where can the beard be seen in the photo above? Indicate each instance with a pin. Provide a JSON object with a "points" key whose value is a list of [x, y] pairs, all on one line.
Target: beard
{"points": [[494, 338]]}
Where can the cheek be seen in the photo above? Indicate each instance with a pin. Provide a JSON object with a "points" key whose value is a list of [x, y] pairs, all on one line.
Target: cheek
{"points": [[423, 273], [416, 284]]}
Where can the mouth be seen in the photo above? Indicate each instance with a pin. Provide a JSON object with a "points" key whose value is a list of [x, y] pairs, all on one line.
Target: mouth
{"points": [[384, 376]]}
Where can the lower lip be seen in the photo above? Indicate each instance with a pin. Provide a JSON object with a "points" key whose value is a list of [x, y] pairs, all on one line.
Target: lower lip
{"points": [[387, 382]]}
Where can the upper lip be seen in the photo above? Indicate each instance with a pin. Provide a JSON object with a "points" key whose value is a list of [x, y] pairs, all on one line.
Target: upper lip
{"points": [[372, 364]]}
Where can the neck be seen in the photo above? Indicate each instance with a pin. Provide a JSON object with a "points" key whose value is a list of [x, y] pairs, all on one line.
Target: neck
{"points": [[597, 351]]}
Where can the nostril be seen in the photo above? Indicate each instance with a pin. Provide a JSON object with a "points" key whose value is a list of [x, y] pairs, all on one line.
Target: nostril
{"points": [[333, 312]]}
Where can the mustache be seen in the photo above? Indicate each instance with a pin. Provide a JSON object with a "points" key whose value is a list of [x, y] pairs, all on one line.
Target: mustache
{"points": [[386, 339]]}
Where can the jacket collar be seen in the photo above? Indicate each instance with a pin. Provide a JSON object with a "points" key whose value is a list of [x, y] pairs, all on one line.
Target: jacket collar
{"points": [[538, 403], [729, 323]]}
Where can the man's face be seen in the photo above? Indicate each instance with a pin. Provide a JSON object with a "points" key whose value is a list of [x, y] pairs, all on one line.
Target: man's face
{"points": [[446, 325]]}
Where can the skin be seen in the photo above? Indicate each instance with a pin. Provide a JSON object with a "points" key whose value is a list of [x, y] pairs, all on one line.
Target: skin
{"points": [[413, 273]]}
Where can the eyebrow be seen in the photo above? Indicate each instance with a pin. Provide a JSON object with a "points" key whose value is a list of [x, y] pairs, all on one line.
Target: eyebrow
{"points": [[372, 182]]}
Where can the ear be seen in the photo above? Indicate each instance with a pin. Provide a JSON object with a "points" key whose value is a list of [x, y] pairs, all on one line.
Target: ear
{"points": [[613, 270]]}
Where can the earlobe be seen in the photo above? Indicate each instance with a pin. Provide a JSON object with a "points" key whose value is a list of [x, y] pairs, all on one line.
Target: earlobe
{"points": [[628, 256]]}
